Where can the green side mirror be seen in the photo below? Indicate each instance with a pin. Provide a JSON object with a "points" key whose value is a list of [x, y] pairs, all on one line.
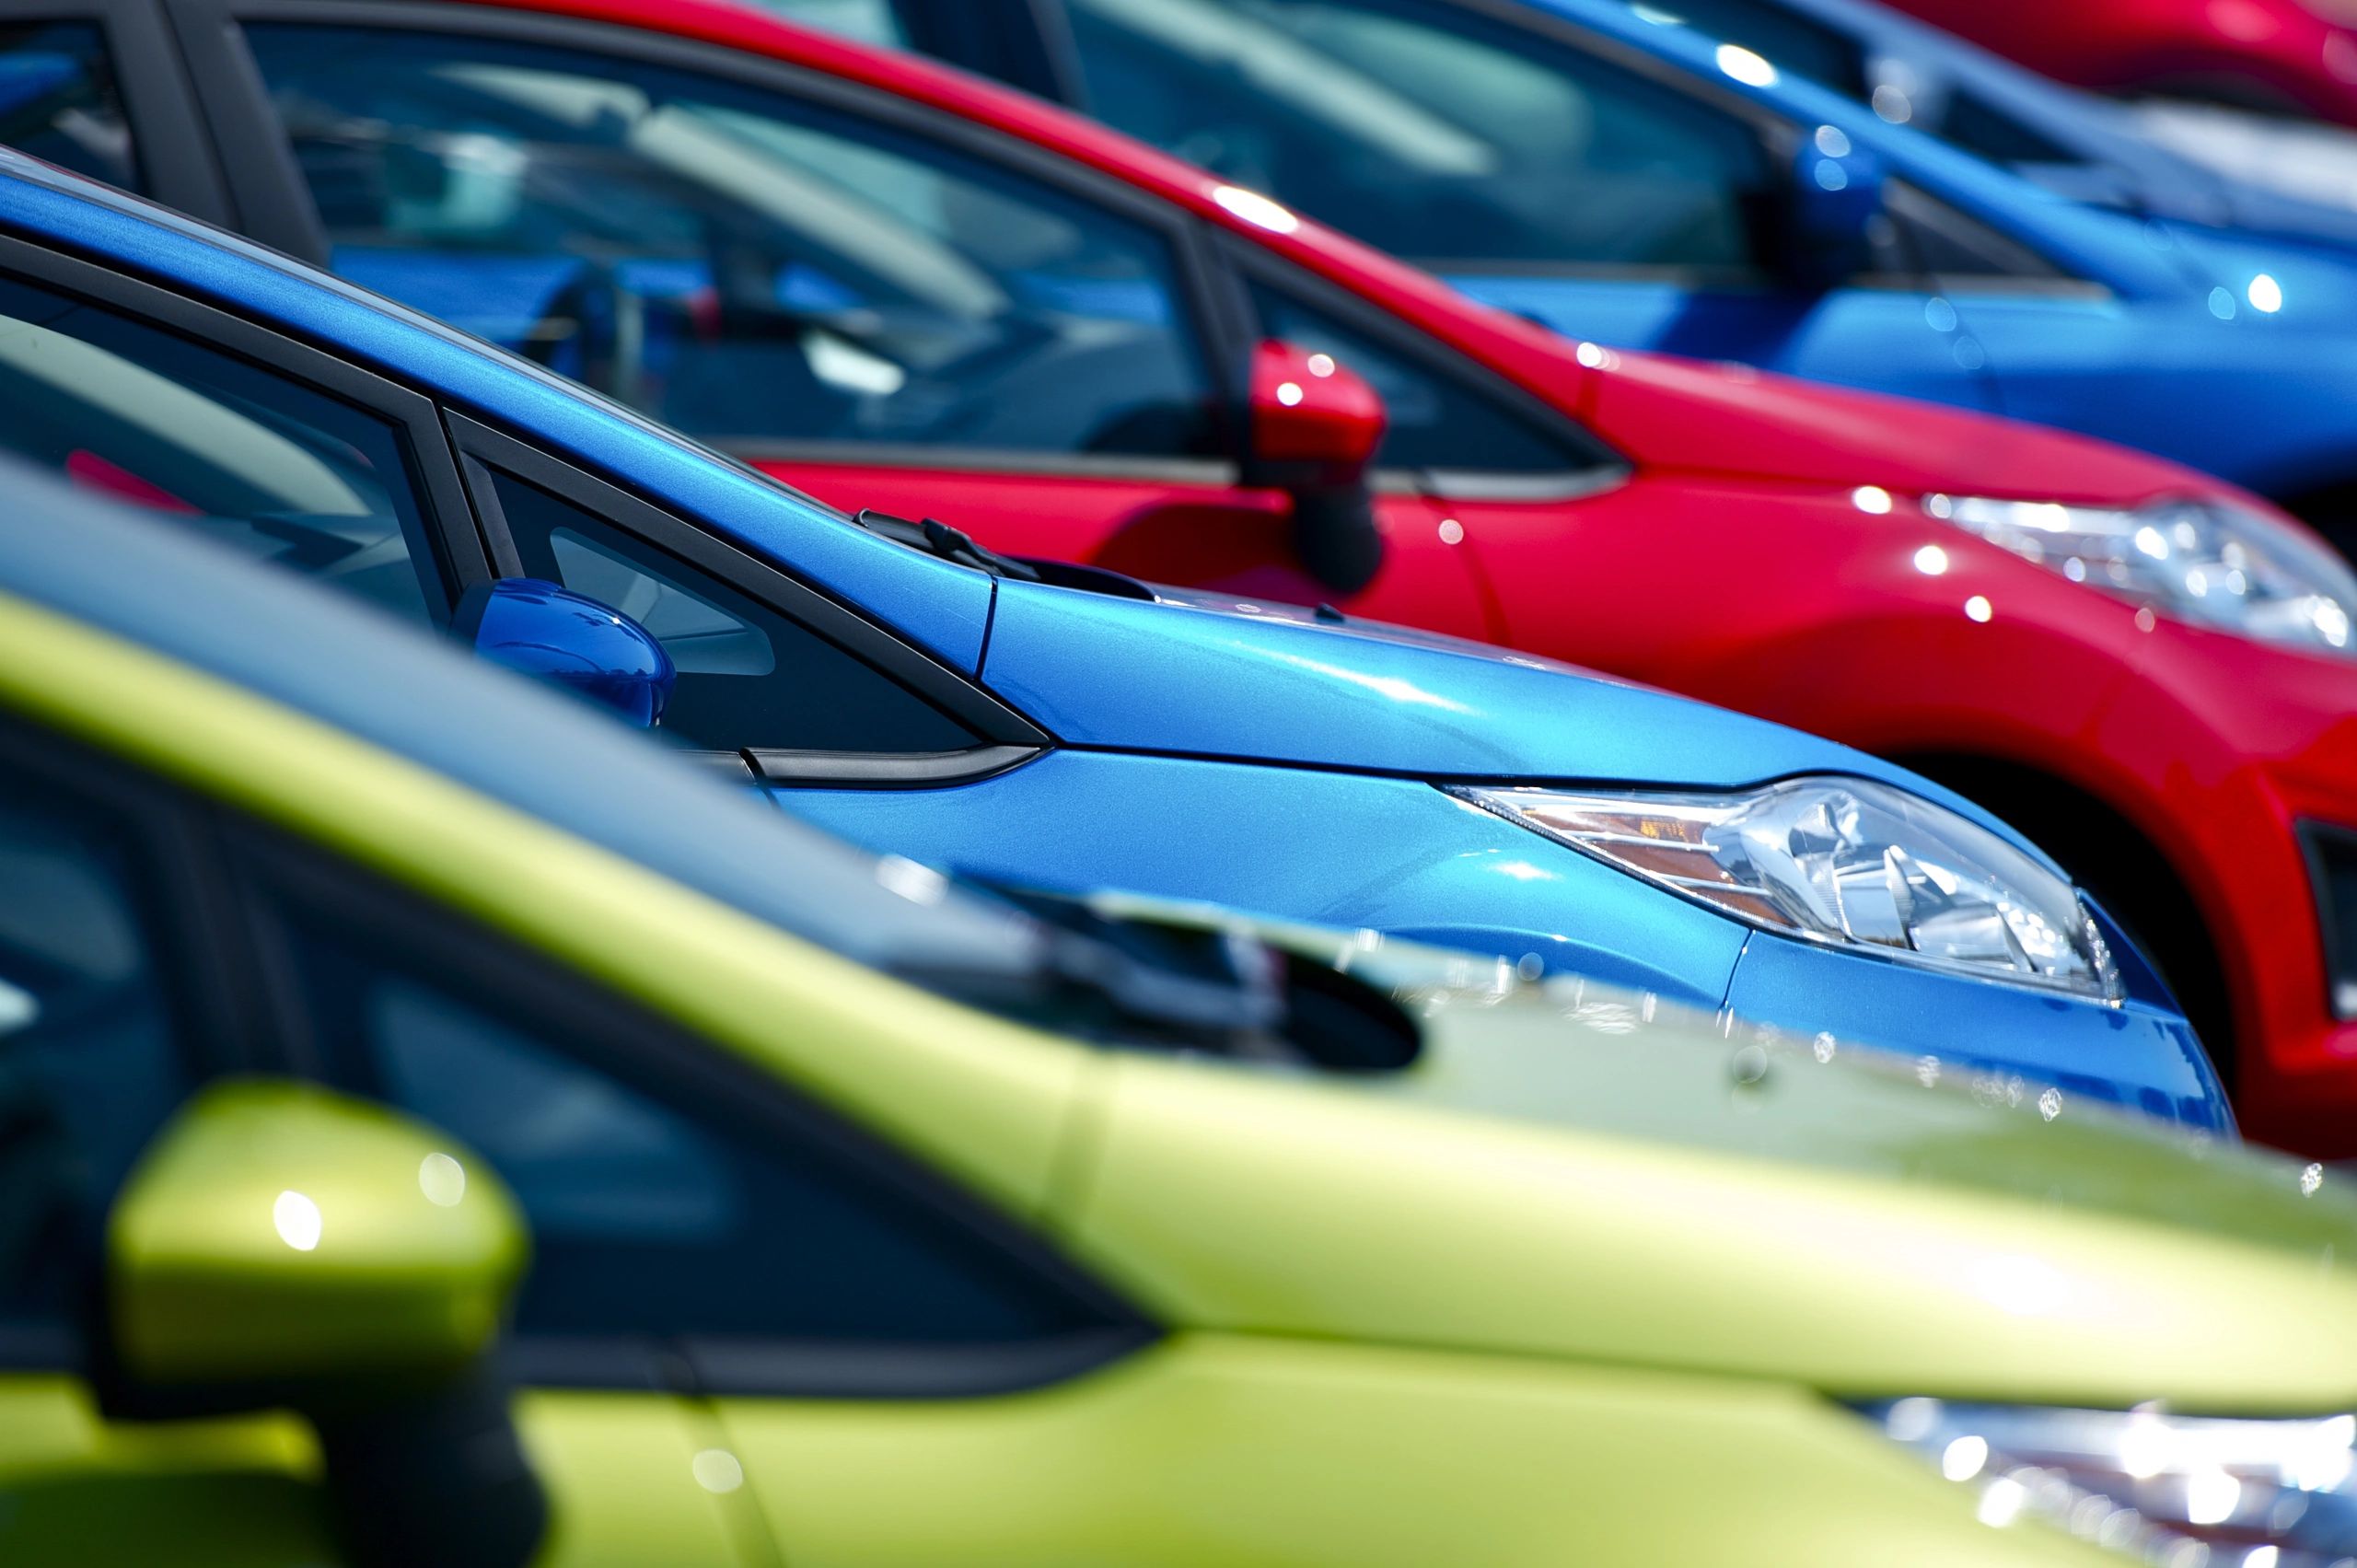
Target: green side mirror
{"points": [[281, 1235], [281, 1246]]}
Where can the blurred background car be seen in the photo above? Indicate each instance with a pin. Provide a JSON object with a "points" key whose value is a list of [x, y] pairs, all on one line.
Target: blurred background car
{"points": [[898, 288], [924, 697], [380, 1034]]}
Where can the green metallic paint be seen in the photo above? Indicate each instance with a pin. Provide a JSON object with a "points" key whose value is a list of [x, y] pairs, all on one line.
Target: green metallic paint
{"points": [[275, 1232]]}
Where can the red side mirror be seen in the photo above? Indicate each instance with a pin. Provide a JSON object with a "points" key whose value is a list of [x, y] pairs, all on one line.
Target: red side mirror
{"points": [[1315, 430], [1307, 409]]}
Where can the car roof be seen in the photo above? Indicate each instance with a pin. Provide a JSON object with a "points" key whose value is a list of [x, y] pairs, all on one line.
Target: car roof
{"points": [[365, 672]]}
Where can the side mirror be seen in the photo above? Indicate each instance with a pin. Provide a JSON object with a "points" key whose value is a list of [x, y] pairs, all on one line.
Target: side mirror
{"points": [[1315, 425], [570, 640], [1837, 197], [282, 1246]]}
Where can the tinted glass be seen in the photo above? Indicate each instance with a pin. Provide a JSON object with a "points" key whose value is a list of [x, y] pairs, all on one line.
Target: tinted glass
{"points": [[870, 21], [1795, 44], [1436, 422], [657, 1206], [1928, 238], [90, 1066], [212, 444], [59, 100], [748, 677], [1429, 130], [740, 263]]}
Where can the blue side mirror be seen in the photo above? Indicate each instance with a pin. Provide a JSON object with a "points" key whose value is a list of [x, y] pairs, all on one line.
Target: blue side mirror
{"points": [[1837, 197], [554, 634]]}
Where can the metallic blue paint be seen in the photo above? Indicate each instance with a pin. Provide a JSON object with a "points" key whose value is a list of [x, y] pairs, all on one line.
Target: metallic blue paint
{"points": [[2151, 338], [1307, 790], [572, 641]]}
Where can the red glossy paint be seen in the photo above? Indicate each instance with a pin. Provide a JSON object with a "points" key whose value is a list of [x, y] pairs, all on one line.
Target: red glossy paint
{"points": [[2276, 54], [1764, 551]]}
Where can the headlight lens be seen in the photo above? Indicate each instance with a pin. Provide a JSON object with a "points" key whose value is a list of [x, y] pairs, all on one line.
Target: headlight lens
{"points": [[2208, 562], [1842, 860], [2175, 1491]]}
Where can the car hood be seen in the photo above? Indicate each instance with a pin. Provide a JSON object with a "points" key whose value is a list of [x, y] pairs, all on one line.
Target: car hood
{"points": [[1198, 675], [1685, 416], [1578, 1173]]}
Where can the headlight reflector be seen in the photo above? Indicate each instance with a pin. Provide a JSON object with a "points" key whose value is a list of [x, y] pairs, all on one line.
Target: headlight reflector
{"points": [[2211, 562], [2176, 1491], [1846, 862]]}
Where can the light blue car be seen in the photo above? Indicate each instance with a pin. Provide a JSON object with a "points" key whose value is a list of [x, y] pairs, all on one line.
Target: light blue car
{"points": [[1629, 179], [1055, 729]]}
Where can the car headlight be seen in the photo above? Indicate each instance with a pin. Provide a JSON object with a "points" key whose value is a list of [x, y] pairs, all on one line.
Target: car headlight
{"points": [[1842, 860], [2200, 1492], [2208, 562]]}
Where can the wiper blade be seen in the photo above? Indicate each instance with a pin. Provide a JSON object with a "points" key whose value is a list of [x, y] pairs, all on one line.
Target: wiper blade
{"points": [[937, 538]]}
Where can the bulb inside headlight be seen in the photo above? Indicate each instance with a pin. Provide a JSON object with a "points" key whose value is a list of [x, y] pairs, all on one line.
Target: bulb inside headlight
{"points": [[1847, 862], [2203, 1492], [2207, 562]]}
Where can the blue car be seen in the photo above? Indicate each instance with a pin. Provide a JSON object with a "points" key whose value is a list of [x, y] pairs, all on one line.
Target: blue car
{"points": [[1054, 728], [1622, 177]]}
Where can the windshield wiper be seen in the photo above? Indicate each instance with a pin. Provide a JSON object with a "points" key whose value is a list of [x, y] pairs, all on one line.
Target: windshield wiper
{"points": [[937, 538]]}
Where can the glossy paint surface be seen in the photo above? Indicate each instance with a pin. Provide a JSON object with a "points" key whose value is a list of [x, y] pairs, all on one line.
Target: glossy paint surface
{"points": [[1366, 707], [1663, 1247], [2279, 54]]}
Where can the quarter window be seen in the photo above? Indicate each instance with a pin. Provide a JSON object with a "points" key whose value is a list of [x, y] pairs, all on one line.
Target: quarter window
{"points": [[60, 101], [748, 677], [1429, 132], [213, 444], [744, 265]]}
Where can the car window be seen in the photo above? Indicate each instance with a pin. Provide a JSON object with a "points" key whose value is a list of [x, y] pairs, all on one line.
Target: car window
{"points": [[1434, 422], [1795, 45], [739, 263], [212, 444], [661, 1204], [870, 21], [60, 101], [1429, 130], [1926, 237], [90, 1061], [748, 677], [1973, 124]]}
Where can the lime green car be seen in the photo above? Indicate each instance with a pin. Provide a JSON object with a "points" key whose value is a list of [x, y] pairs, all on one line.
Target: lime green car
{"points": [[339, 975]]}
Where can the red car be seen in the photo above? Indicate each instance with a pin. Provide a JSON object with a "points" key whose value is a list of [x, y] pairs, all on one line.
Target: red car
{"points": [[906, 289], [2277, 56]]}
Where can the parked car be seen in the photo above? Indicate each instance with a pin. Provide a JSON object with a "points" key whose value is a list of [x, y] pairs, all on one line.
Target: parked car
{"points": [[2068, 140], [2287, 57], [380, 1032], [980, 306], [925, 698]]}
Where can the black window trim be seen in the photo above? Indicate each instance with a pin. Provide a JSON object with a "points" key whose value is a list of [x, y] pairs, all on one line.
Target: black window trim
{"points": [[217, 996], [1604, 468], [616, 1034], [172, 157], [280, 212], [1008, 738], [451, 540]]}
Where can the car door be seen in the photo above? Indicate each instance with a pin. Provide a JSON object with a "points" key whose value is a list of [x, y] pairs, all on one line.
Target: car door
{"points": [[128, 978], [1547, 170], [888, 308], [699, 1225]]}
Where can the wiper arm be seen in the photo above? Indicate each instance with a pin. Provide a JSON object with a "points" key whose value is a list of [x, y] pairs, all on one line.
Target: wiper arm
{"points": [[937, 538]]}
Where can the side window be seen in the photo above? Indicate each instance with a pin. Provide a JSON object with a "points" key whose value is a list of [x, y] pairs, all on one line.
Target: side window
{"points": [[1430, 132], [748, 677], [666, 1200], [59, 100], [1436, 423], [221, 448], [870, 21], [739, 263], [1927, 238], [90, 1060]]}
